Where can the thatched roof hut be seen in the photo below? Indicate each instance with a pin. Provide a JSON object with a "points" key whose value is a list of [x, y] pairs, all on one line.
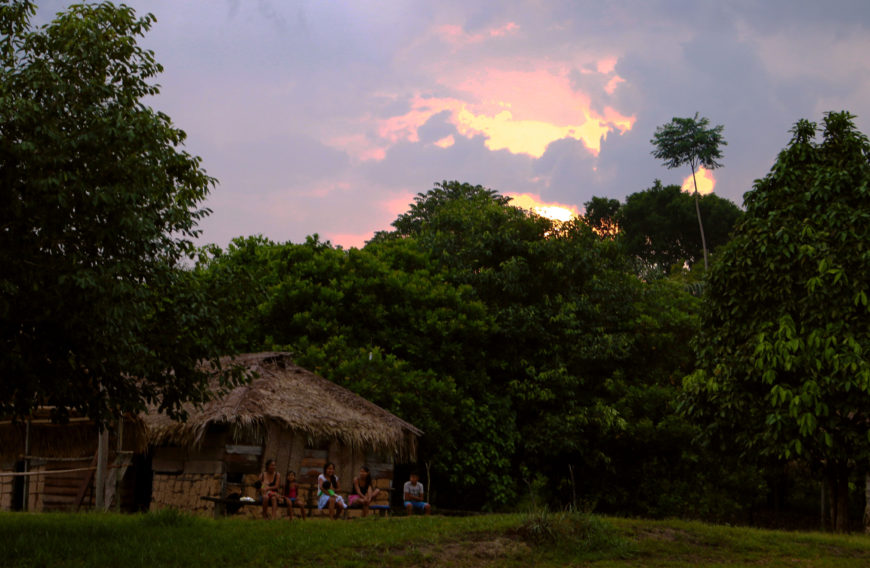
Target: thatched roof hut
{"points": [[296, 399], [285, 413]]}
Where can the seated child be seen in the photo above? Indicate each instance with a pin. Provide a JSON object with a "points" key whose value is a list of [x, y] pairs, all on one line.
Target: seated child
{"points": [[414, 494], [291, 496]]}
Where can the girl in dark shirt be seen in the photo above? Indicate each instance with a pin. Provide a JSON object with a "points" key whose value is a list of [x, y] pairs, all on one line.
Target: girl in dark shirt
{"points": [[363, 491]]}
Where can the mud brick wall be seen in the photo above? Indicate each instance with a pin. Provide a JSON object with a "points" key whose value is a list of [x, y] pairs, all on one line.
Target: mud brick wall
{"points": [[6, 484], [184, 491]]}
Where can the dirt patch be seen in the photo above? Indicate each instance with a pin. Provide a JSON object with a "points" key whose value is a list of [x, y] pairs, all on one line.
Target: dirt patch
{"points": [[663, 533], [479, 551]]}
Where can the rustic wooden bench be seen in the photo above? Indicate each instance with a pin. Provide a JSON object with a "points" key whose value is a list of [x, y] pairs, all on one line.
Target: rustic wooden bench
{"points": [[233, 505]]}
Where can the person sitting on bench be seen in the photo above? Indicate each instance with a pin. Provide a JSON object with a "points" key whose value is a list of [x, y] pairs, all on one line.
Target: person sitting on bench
{"points": [[414, 494], [327, 492], [363, 492], [270, 490], [291, 496]]}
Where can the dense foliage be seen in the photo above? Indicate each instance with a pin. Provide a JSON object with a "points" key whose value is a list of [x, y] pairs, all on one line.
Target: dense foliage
{"points": [[543, 360], [98, 206], [527, 350], [783, 367], [658, 226]]}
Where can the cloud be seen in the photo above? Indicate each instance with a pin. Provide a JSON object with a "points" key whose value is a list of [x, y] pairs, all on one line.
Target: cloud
{"points": [[521, 111], [458, 37], [326, 117]]}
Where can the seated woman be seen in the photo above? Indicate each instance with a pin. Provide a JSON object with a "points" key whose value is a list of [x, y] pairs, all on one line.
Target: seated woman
{"points": [[363, 492], [327, 492], [270, 489], [291, 496]]}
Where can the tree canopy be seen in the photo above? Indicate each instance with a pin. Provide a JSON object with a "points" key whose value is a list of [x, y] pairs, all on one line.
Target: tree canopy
{"points": [[688, 141], [656, 226], [521, 346], [98, 208], [783, 351]]}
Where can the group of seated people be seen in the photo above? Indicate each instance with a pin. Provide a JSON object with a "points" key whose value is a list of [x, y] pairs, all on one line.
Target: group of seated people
{"points": [[362, 495]]}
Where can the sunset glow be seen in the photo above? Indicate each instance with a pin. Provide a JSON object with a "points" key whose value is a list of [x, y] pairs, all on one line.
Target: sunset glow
{"points": [[446, 142], [533, 202], [705, 179], [518, 111], [349, 240]]}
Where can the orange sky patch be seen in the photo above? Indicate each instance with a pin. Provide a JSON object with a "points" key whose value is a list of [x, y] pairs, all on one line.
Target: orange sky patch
{"points": [[705, 179], [446, 142], [519, 111], [551, 210]]}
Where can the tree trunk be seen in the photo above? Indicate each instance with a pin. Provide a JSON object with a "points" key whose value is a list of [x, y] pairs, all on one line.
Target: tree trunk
{"points": [[698, 211], [838, 483], [867, 503]]}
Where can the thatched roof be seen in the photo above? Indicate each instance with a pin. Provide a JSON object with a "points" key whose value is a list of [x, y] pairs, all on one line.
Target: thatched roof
{"points": [[295, 398]]}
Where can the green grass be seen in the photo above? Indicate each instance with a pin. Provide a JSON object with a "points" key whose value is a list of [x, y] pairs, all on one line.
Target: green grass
{"points": [[541, 539]]}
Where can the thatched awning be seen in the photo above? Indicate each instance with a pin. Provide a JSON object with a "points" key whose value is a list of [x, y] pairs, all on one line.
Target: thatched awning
{"points": [[295, 398]]}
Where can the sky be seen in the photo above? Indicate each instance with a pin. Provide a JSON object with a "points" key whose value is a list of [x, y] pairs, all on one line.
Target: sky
{"points": [[328, 117]]}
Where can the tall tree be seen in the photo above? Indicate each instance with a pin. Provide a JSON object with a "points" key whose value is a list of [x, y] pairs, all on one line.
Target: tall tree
{"points": [[783, 357], [98, 208], [656, 226], [688, 141]]}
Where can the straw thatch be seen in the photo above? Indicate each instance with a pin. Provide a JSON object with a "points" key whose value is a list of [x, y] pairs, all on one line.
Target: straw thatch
{"points": [[295, 399]]}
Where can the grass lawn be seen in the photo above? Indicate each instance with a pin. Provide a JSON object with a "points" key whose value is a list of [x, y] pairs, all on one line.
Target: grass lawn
{"points": [[170, 539]]}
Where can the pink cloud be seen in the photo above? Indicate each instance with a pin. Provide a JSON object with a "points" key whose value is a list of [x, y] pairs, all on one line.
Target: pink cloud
{"points": [[611, 85], [516, 110], [458, 37], [360, 146], [607, 65], [399, 204], [506, 29], [349, 240]]}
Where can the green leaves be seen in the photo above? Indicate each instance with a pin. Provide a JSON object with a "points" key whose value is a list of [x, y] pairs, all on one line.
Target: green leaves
{"points": [[659, 226], [785, 333], [688, 142], [98, 207]]}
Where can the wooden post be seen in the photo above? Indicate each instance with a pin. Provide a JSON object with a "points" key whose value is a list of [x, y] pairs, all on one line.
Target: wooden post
{"points": [[100, 482]]}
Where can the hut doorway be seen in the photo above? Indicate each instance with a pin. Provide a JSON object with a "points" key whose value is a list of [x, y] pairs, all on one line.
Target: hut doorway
{"points": [[18, 484], [142, 482]]}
